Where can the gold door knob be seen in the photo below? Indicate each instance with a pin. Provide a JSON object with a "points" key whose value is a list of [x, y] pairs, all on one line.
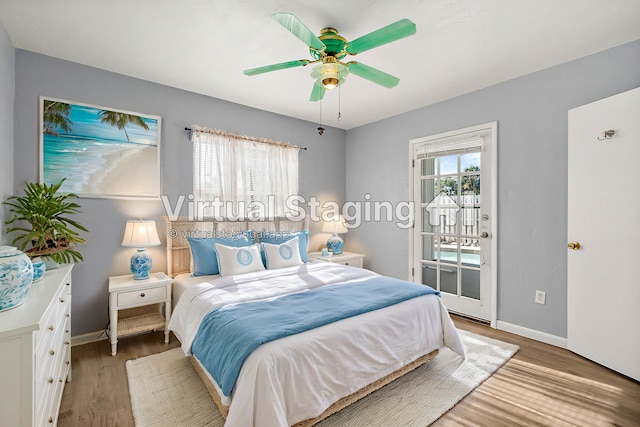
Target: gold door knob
{"points": [[574, 245]]}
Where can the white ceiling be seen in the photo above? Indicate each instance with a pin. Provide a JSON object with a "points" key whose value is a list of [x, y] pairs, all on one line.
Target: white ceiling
{"points": [[204, 45]]}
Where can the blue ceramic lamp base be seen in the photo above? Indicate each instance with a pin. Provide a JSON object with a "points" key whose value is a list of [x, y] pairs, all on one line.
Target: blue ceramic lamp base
{"points": [[335, 244], [140, 265]]}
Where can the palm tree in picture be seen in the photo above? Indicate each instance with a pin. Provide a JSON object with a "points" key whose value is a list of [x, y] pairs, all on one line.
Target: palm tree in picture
{"points": [[55, 115], [121, 120]]}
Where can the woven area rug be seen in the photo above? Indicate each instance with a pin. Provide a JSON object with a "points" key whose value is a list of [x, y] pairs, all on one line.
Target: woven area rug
{"points": [[166, 391]]}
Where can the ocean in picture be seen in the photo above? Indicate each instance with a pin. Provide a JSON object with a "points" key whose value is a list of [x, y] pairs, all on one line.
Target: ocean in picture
{"points": [[100, 152]]}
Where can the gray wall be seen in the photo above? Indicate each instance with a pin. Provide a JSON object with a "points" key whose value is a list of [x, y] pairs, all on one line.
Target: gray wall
{"points": [[38, 75], [532, 175], [7, 89], [532, 131]]}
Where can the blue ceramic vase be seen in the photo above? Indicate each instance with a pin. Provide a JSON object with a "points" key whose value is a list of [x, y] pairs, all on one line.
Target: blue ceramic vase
{"points": [[16, 275], [140, 264], [39, 267], [335, 244]]}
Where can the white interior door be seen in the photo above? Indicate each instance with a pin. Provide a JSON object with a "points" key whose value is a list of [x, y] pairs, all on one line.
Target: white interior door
{"points": [[453, 241], [604, 218]]}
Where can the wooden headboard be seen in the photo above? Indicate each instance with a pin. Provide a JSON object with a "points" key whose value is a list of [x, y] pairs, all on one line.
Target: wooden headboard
{"points": [[179, 253]]}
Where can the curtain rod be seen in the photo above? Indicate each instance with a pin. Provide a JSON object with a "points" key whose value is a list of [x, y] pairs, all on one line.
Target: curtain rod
{"points": [[250, 138]]}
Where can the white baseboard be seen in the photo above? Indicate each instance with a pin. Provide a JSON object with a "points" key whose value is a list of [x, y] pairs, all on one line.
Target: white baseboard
{"points": [[532, 333], [88, 338]]}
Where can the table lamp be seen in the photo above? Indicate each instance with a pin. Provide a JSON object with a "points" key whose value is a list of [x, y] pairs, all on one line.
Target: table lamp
{"points": [[140, 234], [335, 226]]}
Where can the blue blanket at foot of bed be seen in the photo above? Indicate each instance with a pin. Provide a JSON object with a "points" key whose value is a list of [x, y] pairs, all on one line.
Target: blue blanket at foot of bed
{"points": [[229, 334]]}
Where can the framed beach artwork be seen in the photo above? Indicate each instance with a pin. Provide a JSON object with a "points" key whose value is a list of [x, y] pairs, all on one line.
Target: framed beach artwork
{"points": [[101, 151]]}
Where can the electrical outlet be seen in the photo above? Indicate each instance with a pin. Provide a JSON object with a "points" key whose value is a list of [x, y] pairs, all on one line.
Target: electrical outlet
{"points": [[541, 297]]}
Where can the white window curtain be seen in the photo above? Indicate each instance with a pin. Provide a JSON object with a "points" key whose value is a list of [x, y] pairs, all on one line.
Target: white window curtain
{"points": [[242, 178]]}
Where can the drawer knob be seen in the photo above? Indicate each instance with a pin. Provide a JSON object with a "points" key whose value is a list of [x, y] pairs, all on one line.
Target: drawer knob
{"points": [[50, 328], [50, 420], [50, 380], [68, 284], [66, 315], [61, 299], [142, 295], [51, 352], [66, 343]]}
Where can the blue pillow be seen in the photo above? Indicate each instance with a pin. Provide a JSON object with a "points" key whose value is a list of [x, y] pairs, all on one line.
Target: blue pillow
{"points": [[203, 250], [277, 238]]}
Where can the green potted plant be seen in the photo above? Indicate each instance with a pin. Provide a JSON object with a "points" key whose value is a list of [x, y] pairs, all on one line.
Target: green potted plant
{"points": [[53, 233]]}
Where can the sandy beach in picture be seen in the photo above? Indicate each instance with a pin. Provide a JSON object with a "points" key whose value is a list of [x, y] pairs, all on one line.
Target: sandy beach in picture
{"points": [[131, 172]]}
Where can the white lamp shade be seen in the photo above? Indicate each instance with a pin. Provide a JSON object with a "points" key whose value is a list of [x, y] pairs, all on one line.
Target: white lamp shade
{"points": [[140, 234], [335, 226]]}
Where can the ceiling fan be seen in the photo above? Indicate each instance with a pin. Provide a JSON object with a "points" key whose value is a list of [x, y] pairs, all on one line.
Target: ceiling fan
{"points": [[330, 47]]}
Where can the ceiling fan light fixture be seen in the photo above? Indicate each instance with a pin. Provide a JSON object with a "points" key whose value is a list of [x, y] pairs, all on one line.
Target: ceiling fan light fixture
{"points": [[330, 83], [330, 74]]}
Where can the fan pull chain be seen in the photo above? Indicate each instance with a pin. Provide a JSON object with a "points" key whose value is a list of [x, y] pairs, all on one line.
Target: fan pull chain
{"points": [[339, 102], [320, 129]]}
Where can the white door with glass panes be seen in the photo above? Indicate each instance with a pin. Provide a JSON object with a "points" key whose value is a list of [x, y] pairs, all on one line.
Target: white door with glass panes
{"points": [[453, 240]]}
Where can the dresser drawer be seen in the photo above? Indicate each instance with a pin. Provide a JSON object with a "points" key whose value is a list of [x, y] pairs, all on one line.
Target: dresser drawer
{"points": [[55, 388], [143, 297], [50, 360], [55, 321]]}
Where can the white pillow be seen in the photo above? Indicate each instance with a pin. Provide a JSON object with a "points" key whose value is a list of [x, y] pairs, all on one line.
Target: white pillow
{"points": [[245, 259], [286, 254]]}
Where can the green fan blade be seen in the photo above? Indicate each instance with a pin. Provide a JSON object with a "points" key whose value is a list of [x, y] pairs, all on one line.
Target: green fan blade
{"points": [[317, 93], [372, 74], [298, 29], [388, 34], [275, 67]]}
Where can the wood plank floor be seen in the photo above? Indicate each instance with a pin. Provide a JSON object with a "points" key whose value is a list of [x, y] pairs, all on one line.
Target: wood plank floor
{"points": [[541, 385]]}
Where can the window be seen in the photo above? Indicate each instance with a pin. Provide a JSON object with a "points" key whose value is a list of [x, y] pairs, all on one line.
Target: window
{"points": [[242, 178], [450, 187]]}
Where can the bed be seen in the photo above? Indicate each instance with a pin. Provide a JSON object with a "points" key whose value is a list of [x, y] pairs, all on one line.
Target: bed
{"points": [[302, 378]]}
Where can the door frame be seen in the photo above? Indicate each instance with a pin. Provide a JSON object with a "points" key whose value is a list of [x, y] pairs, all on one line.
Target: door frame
{"points": [[492, 127]]}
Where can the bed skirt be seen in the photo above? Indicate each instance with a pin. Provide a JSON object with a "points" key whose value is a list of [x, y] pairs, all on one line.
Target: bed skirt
{"points": [[336, 406]]}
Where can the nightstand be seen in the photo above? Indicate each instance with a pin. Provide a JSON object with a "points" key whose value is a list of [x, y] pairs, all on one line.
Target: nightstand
{"points": [[345, 258], [126, 293]]}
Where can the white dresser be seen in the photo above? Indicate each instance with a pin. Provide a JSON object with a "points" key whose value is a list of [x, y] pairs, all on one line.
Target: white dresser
{"points": [[35, 352]]}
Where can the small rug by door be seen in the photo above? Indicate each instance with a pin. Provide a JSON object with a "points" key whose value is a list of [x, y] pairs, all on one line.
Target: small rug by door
{"points": [[166, 391]]}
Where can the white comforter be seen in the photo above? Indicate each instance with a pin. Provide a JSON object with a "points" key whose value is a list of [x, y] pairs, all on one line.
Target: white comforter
{"points": [[298, 377]]}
